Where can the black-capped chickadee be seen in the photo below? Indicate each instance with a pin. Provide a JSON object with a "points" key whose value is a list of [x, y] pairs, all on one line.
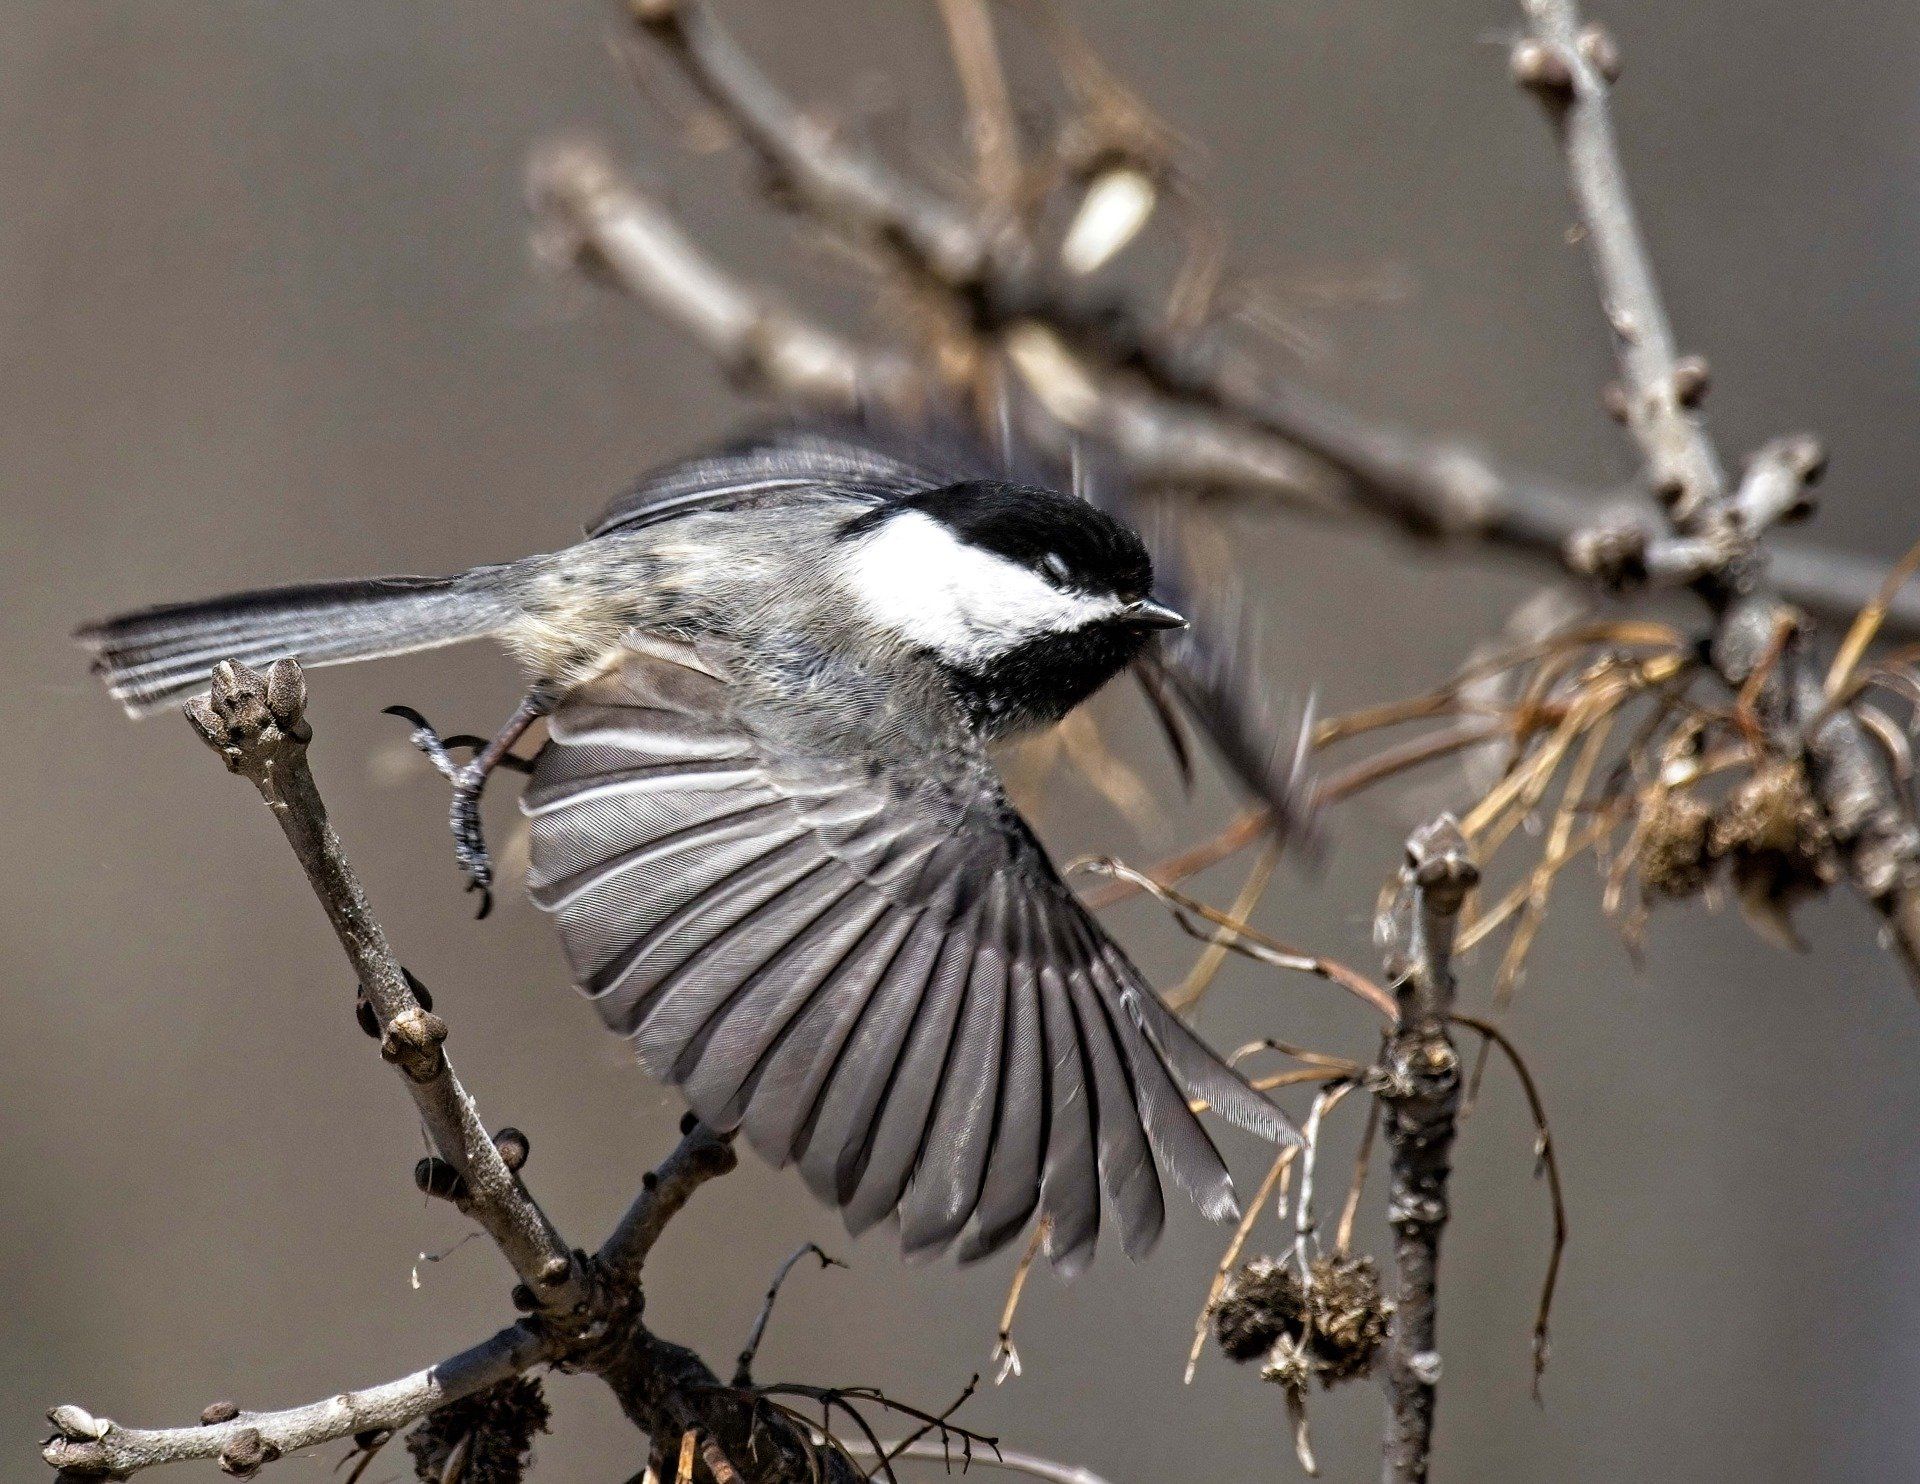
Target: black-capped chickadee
{"points": [[767, 826]]}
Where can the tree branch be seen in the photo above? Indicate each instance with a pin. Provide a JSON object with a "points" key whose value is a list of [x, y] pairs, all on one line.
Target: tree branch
{"points": [[89, 1447], [257, 725], [591, 216], [587, 1312], [1570, 67], [1418, 1082], [701, 1155], [1198, 418]]}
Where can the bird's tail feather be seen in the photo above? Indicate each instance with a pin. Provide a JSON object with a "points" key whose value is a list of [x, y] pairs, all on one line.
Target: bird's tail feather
{"points": [[159, 656]]}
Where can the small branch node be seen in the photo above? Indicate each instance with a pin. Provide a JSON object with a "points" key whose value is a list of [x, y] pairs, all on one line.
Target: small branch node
{"points": [[246, 1454], [1692, 380], [514, 1147], [1543, 69], [413, 1043], [437, 1178], [1600, 52]]}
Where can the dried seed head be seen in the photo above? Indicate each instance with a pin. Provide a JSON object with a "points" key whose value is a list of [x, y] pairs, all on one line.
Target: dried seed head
{"points": [[494, 1428], [1260, 1302], [1773, 811], [1332, 1328], [1776, 840], [1350, 1318], [1676, 857], [1288, 1365]]}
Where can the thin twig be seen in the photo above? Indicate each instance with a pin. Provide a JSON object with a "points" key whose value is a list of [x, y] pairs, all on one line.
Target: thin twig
{"points": [[700, 1156], [743, 1369], [1237, 937], [1343, 1234], [1549, 1166], [1008, 1459], [1006, 1359], [1275, 1180]]}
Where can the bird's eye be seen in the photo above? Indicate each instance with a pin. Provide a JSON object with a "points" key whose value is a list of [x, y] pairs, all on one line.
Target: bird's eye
{"points": [[1055, 566]]}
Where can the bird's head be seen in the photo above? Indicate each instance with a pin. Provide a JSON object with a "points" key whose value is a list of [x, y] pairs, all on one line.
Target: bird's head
{"points": [[1030, 599]]}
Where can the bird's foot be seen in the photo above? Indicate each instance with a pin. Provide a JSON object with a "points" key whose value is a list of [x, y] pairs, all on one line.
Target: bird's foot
{"points": [[468, 780]]}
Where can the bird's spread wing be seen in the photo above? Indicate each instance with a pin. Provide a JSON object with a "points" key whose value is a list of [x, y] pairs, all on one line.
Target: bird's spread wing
{"points": [[854, 459], [877, 976]]}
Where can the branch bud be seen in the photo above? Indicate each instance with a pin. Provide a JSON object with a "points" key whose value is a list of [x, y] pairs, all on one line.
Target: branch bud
{"points": [[1542, 68], [413, 1042], [78, 1425], [1691, 381], [216, 1413], [514, 1147], [439, 1179], [1601, 51], [246, 1454]]}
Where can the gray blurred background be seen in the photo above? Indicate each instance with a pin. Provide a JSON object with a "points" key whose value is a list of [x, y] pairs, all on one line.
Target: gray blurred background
{"points": [[267, 312]]}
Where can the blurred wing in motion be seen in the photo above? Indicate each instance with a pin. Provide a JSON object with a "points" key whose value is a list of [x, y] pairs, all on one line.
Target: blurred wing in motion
{"points": [[876, 974]]}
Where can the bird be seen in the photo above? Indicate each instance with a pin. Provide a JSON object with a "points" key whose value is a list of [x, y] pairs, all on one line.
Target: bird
{"points": [[767, 823]]}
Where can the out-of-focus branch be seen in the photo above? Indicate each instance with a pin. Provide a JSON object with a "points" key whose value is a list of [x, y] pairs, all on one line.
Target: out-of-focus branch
{"points": [[1418, 1082], [257, 724], [1008, 1460], [1198, 416], [84, 1446], [590, 215], [1570, 67]]}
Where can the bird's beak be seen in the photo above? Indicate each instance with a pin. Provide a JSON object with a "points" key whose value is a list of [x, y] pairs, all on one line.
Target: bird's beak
{"points": [[1147, 614]]}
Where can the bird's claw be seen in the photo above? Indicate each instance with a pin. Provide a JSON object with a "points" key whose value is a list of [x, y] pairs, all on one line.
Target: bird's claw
{"points": [[428, 740], [469, 841]]}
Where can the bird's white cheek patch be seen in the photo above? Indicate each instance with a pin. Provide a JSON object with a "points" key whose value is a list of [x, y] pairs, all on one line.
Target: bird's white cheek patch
{"points": [[913, 576]]}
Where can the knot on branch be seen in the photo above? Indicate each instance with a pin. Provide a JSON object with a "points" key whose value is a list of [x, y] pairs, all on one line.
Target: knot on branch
{"points": [[1440, 866], [253, 721], [1777, 486], [246, 1453], [413, 1043], [569, 184], [1614, 553]]}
